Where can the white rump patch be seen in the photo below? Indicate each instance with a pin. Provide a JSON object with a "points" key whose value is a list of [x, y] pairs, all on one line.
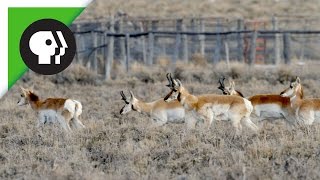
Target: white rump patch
{"points": [[70, 105]]}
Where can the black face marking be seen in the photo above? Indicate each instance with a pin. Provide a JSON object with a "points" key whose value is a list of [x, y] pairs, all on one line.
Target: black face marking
{"points": [[179, 97], [132, 107], [240, 94], [121, 110]]}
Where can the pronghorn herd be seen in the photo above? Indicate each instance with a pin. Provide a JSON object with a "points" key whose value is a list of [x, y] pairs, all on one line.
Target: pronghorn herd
{"points": [[179, 105]]}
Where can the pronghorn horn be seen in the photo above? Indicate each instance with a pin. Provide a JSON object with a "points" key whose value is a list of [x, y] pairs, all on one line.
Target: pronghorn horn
{"points": [[169, 80], [174, 82], [131, 93], [221, 82], [123, 96]]}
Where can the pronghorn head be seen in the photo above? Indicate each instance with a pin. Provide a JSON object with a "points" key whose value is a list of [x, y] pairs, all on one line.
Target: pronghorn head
{"points": [[131, 104], [294, 89], [26, 97], [176, 88], [229, 90]]}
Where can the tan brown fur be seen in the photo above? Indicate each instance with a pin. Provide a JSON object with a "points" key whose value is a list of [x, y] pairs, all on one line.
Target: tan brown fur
{"points": [[50, 103], [219, 99], [270, 99], [158, 104]]}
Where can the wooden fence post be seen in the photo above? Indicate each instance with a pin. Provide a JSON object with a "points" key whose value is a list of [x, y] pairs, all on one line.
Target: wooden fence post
{"points": [[276, 46], [127, 51], [202, 38], [144, 49], [185, 43], [286, 48], [226, 46], [122, 43], [150, 45], [193, 37], [109, 63], [240, 40], [178, 41], [217, 49], [94, 63], [77, 36], [253, 46]]}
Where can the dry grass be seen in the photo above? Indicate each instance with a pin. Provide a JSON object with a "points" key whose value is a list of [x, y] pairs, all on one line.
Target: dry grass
{"points": [[193, 8], [121, 147]]}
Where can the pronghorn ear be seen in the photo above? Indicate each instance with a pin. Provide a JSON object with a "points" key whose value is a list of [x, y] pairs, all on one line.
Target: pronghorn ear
{"points": [[298, 80], [31, 89], [179, 82], [232, 84], [23, 90], [131, 94]]}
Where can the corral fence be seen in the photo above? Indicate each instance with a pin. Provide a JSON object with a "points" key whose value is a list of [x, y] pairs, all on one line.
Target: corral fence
{"points": [[121, 39]]}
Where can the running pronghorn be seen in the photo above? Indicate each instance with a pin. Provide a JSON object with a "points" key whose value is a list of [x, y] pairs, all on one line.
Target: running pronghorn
{"points": [[65, 111], [159, 111], [265, 106], [306, 111], [211, 107]]}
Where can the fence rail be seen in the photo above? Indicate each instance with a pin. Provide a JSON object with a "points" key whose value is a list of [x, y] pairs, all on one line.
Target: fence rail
{"points": [[216, 39]]}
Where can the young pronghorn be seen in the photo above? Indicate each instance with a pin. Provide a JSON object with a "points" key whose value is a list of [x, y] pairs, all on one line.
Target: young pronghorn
{"points": [[65, 111], [211, 107], [159, 111], [265, 106], [306, 111]]}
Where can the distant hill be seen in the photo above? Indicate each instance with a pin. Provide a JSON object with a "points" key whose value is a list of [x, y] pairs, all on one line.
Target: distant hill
{"points": [[181, 8]]}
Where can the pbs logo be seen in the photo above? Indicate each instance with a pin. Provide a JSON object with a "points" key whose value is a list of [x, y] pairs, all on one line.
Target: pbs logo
{"points": [[47, 46]]}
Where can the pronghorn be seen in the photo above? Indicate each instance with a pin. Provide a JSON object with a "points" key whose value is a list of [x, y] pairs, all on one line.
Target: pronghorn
{"points": [[265, 106], [211, 107], [159, 111], [306, 111], [65, 111]]}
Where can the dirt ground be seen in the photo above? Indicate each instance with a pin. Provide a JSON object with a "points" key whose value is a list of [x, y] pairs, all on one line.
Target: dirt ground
{"points": [[115, 146]]}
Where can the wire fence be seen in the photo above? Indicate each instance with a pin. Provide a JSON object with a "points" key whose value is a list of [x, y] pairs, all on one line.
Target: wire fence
{"points": [[122, 40]]}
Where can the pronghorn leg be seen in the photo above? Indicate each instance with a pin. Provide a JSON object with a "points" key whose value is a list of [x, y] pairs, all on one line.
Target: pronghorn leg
{"points": [[78, 124], [236, 124], [41, 119], [207, 116], [208, 122], [191, 122], [247, 122], [65, 120]]}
